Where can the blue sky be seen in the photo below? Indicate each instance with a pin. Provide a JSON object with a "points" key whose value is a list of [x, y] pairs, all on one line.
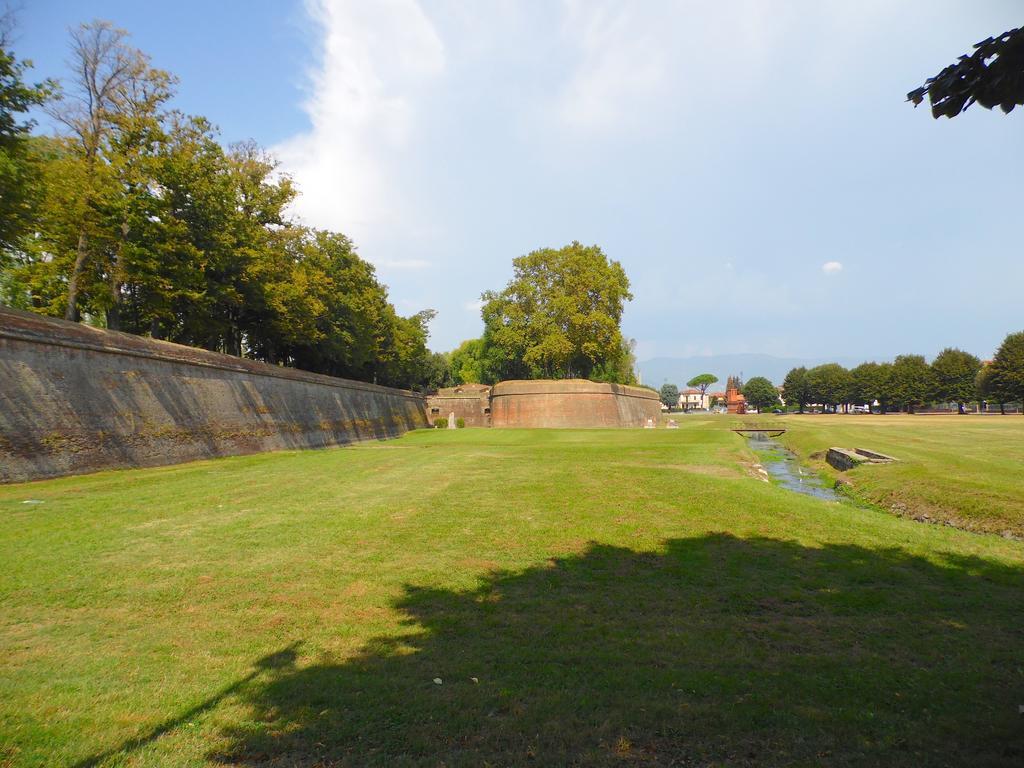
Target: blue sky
{"points": [[751, 164]]}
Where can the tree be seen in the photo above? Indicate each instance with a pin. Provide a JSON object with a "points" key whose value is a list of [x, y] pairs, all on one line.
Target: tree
{"points": [[18, 171], [1007, 375], [953, 373], [991, 76], [405, 355], [466, 362], [795, 389], [702, 382], [20, 167], [669, 394], [620, 369], [113, 83], [761, 393], [437, 373], [145, 222], [828, 384], [987, 390], [559, 316], [867, 384], [884, 381], [912, 382]]}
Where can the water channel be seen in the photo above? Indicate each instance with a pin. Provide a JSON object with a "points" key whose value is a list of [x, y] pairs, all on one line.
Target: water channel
{"points": [[784, 467]]}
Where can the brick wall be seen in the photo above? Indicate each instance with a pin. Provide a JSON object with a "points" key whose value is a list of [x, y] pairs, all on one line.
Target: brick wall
{"points": [[469, 402], [77, 399], [571, 403]]}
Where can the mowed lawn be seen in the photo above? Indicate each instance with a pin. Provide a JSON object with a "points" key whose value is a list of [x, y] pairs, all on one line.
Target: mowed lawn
{"points": [[628, 597], [965, 470]]}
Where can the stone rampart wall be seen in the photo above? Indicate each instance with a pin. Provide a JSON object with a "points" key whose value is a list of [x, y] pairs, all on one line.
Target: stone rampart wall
{"points": [[77, 399], [469, 402], [571, 403], [472, 410]]}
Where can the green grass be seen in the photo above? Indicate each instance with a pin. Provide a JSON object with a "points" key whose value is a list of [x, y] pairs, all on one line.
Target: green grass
{"points": [[627, 597], [964, 470]]}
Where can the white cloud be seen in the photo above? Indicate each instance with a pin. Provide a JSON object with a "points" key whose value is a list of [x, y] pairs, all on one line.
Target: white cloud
{"points": [[375, 60], [832, 267], [474, 306], [406, 264], [621, 64], [638, 64]]}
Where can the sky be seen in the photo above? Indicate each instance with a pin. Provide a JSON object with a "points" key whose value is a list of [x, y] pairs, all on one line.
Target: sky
{"points": [[752, 165]]}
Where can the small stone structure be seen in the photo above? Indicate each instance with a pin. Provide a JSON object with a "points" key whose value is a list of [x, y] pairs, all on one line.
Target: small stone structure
{"points": [[844, 459], [572, 403], [77, 399], [469, 402]]}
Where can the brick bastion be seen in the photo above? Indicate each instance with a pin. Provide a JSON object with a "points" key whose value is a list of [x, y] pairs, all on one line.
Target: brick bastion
{"points": [[77, 399], [469, 402], [571, 403]]}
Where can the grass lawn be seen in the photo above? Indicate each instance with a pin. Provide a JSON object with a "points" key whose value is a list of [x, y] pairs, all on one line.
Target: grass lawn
{"points": [[627, 597]]}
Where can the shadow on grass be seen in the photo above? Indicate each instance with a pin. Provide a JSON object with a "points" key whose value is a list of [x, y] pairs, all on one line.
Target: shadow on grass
{"points": [[717, 650], [271, 664]]}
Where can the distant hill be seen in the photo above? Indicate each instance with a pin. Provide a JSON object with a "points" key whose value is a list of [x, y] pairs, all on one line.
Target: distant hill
{"points": [[679, 370]]}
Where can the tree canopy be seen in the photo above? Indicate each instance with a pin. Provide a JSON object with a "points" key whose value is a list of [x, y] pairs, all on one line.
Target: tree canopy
{"points": [[761, 393], [468, 363], [559, 317], [702, 382], [911, 381], [828, 384], [993, 75], [987, 390], [19, 169], [1007, 370], [870, 382], [669, 394], [795, 389], [953, 374], [142, 221]]}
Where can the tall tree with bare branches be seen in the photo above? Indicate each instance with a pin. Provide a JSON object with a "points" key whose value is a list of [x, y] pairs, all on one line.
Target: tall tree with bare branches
{"points": [[114, 89]]}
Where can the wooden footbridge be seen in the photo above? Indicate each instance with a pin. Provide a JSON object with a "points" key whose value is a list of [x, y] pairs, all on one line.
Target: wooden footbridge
{"points": [[766, 429]]}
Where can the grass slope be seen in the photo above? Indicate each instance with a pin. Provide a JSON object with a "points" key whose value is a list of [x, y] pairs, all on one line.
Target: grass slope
{"points": [[965, 470], [590, 597]]}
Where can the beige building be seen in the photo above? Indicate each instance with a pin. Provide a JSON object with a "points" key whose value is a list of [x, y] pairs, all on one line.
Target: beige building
{"points": [[693, 400]]}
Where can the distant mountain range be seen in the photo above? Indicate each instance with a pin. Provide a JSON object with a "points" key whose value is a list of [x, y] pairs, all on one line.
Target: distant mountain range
{"points": [[679, 370]]}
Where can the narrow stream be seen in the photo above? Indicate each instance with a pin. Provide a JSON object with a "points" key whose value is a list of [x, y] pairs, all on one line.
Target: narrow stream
{"points": [[784, 466]]}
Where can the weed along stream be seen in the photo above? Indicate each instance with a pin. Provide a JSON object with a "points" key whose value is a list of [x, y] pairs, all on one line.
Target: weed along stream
{"points": [[784, 467]]}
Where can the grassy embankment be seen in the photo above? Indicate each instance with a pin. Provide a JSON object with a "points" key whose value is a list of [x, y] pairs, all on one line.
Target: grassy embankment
{"points": [[964, 470], [599, 598]]}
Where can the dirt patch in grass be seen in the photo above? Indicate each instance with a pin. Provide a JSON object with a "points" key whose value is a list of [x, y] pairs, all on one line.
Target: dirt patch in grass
{"points": [[477, 564], [706, 470]]}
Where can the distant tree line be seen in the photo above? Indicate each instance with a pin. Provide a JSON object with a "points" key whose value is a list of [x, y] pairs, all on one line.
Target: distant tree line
{"points": [[558, 318], [134, 217], [909, 382]]}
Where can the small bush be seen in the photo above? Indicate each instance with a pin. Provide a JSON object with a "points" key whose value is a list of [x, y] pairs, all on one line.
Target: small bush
{"points": [[440, 423], [460, 423]]}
